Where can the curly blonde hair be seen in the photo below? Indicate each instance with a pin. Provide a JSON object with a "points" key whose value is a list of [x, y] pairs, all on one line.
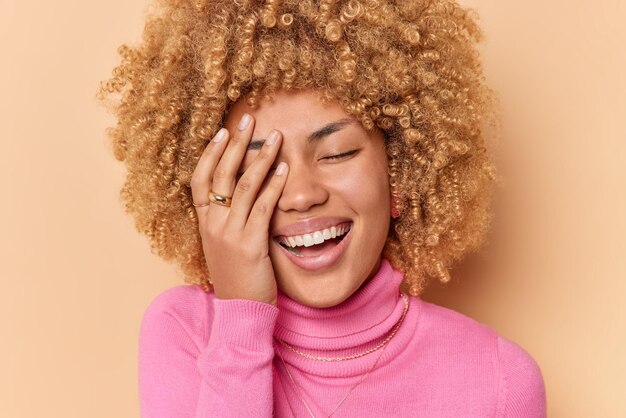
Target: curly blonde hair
{"points": [[409, 67]]}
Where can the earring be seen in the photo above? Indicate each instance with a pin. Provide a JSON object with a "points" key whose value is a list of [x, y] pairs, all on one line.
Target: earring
{"points": [[394, 207]]}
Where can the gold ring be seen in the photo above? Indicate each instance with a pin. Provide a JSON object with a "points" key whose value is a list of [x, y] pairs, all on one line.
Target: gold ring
{"points": [[218, 199]]}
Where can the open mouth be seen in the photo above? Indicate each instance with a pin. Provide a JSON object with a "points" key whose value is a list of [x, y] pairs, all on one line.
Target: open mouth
{"points": [[314, 250]]}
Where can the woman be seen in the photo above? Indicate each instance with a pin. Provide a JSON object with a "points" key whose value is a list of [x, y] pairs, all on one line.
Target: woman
{"points": [[302, 161]]}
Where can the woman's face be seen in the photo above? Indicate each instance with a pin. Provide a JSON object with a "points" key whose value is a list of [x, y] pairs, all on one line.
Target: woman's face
{"points": [[320, 192]]}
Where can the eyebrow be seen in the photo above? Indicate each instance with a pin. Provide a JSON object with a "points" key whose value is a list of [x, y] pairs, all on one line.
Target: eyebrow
{"points": [[314, 136]]}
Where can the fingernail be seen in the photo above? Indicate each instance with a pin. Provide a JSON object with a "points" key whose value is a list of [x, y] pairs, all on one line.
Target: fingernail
{"points": [[282, 167], [221, 134], [244, 122], [271, 138]]}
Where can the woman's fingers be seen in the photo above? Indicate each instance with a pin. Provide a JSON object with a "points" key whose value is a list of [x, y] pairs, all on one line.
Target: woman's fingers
{"points": [[216, 172], [251, 181], [201, 177], [224, 176], [263, 208]]}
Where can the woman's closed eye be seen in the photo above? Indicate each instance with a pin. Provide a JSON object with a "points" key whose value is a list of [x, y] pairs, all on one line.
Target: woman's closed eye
{"points": [[342, 155], [330, 157]]}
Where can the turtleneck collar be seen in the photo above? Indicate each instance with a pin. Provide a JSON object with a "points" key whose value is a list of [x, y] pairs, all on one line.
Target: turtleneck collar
{"points": [[357, 324]]}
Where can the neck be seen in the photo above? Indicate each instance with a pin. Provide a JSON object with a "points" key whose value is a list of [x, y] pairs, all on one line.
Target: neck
{"points": [[360, 322]]}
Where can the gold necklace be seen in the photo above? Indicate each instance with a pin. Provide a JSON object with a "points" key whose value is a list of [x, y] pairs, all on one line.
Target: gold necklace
{"points": [[344, 398], [353, 356], [383, 345]]}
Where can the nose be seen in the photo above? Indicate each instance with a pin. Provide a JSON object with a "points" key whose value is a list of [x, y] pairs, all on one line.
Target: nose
{"points": [[303, 190]]}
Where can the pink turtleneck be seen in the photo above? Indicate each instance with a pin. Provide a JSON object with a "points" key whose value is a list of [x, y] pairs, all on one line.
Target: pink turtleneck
{"points": [[200, 356]]}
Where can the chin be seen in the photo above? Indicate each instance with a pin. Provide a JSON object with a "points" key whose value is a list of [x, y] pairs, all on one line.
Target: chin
{"points": [[320, 296], [320, 302]]}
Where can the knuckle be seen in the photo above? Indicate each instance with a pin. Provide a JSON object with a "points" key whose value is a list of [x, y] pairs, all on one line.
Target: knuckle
{"points": [[196, 179], [263, 156], [209, 235], [218, 240], [261, 209], [244, 185], [237, 139], [276, 183], [206, 152], [220, 173]]}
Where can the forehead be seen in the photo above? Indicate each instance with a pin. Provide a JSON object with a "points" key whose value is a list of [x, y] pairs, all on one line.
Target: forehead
{"points": [[296, 113]]}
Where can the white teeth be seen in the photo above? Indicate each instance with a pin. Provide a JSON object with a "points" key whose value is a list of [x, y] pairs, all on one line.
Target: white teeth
{"points": [[308, 240], [316, 237]]}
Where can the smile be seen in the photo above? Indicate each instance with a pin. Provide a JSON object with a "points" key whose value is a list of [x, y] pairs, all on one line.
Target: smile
{"points": [[315, 237], [319, 249]]}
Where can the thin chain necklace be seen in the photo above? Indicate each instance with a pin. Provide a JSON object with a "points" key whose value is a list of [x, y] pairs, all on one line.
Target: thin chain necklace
{"points": [[383, 345], [353, 356], [344, 398]]}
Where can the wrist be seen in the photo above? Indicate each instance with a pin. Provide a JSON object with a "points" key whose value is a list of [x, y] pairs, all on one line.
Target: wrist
{"points": [[244, 322]]}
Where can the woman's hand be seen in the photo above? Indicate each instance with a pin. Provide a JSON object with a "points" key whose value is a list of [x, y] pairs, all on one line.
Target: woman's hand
{"points": [[235, 239]]}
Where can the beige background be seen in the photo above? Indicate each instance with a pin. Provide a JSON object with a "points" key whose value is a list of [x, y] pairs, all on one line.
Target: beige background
{"points": [[76, 277]]}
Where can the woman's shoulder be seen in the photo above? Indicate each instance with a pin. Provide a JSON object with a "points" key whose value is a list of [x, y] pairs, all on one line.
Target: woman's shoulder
{"points": [[440, 323], [181, 301], [187, 306], [177, 298], [518, 376]]}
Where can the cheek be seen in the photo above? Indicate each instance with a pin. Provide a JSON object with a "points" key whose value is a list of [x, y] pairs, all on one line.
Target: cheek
{"points": [[365, 190]]}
